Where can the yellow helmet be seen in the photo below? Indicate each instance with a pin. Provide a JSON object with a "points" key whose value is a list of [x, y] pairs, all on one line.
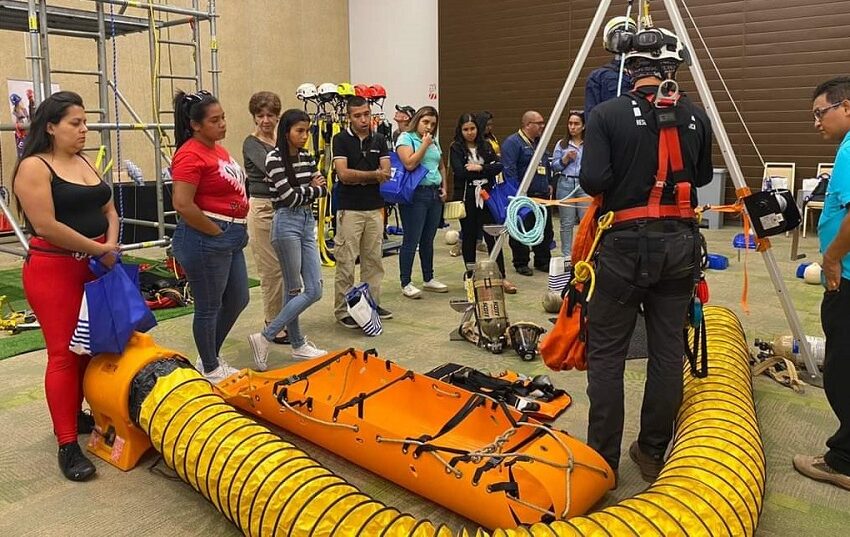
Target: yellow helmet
{"points": [[345, 89]]}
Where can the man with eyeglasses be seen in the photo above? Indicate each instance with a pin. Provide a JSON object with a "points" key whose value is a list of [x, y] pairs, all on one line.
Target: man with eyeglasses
{"points": [[517, 151], [831, 110]]}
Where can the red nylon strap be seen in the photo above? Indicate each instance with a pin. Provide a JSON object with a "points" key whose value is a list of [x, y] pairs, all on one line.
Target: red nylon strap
{"points": [[683, 200], [669, 161], [642, 213]]}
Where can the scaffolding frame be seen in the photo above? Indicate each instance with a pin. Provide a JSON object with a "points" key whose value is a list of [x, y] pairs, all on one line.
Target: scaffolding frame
{"points": [[40, 21]]}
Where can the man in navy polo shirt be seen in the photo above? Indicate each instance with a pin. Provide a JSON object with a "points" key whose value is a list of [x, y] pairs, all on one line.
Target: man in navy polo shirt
{"points": [[831, 110], [517, 150], [362, 162]]}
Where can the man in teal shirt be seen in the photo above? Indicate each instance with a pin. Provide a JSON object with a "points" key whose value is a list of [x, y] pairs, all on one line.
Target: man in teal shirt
{"points": [[831, 109]]}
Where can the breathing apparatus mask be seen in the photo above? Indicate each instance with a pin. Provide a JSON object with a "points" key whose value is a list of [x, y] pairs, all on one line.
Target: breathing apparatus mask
{"points": [[525, 338]]}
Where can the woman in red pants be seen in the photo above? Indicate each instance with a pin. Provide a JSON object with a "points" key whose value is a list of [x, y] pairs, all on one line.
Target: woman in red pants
{"points": [[69, 210]]}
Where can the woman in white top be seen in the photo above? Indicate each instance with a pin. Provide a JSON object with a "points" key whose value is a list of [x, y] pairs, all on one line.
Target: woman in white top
{"points": [[475, 166]]}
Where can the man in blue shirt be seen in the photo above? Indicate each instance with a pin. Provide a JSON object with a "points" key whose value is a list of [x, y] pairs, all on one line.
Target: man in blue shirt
{"points": [[831, 109], [517, 150], [603, 83]]}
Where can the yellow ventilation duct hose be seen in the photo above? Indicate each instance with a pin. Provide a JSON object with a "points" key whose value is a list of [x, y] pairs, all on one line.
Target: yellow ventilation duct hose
{"points": [[712, 484]]}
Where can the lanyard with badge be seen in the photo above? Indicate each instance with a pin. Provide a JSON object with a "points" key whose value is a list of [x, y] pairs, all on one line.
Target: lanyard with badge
{"points": [[541, 169]]}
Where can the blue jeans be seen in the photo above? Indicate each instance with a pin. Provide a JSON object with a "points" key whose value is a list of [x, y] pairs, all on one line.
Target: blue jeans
{"points": [[569, 216], [419, 220], [215, 269], [294, 240]]}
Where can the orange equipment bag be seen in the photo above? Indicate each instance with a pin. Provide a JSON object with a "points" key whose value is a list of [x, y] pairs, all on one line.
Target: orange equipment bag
{"points": [[564, 347]]}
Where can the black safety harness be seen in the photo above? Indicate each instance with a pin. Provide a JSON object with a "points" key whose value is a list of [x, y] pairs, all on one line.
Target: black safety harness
{"points": [[671, 173]]}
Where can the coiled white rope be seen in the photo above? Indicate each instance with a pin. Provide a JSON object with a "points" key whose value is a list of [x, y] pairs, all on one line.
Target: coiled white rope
{"points": [[515, 225]]}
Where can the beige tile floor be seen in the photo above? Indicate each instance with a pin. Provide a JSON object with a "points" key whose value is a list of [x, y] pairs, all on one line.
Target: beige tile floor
{"points": [[36, 500]]}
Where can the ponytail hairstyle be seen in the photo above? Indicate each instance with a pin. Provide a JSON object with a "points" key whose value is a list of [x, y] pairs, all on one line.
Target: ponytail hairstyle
{"points": [[189, 107], [288, 120]]}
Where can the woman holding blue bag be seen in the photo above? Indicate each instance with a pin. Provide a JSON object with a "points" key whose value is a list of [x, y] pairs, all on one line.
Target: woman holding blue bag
{"points": [[420, 218], [209, 194], [69, 210]]}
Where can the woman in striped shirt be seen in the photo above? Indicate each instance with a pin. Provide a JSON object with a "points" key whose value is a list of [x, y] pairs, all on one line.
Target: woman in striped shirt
{"points": [[295, 184]]}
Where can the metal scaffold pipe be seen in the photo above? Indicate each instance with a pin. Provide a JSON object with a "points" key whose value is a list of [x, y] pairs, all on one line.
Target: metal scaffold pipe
{"points": [[155, 7], [8, 127], [214, 68], [35, 51]]}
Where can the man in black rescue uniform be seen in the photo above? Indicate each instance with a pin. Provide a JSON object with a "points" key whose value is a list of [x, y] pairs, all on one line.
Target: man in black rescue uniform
{"points": [[650, 255]]}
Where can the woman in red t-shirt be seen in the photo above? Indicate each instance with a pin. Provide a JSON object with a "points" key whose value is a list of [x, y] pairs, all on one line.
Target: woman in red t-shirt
{"points": [[209, 194]]}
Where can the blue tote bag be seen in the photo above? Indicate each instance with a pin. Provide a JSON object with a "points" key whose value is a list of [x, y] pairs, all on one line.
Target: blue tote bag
{"points": [[111, 310], [402, 182], [500, 196]]}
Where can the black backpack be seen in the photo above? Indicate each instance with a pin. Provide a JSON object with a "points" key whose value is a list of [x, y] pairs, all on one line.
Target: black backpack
{"points": [[819, 192]]}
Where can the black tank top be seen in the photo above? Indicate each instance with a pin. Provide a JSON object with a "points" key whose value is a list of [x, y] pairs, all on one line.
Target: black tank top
{"points": [[79, 207]]}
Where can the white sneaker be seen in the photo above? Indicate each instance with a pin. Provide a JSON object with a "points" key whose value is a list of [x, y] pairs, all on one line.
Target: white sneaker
{"points": [[199, 364], [436, 287], [411, 291], [260, 348], [220, 373], [307, 351]]}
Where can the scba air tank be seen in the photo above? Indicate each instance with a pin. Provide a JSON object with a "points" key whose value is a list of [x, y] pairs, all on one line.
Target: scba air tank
{"points": [[789, 347], [490, 299]]}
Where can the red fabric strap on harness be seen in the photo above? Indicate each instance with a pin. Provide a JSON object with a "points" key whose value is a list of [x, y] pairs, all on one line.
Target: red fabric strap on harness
{"points": [[669, 162]]}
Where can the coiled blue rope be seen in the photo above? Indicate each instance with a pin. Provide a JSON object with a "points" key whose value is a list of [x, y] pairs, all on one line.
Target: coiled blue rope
{"points": [[515, 225]]}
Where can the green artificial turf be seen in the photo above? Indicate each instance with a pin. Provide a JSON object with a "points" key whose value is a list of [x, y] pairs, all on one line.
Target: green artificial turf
{"points": [[31, 340]]}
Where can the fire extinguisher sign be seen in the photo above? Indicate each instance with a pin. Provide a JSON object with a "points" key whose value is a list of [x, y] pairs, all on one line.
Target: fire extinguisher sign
{"points": [[432, 92]]}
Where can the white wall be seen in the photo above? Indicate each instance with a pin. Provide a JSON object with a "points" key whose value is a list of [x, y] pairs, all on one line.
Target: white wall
{"points": [[394, 43]]}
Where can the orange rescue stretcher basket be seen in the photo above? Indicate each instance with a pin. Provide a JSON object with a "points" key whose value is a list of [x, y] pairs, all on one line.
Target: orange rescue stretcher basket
{"points": [[463, 450]]}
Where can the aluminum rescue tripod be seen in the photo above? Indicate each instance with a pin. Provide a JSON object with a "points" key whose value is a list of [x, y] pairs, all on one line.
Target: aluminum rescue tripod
{"points": [[812, 374]]}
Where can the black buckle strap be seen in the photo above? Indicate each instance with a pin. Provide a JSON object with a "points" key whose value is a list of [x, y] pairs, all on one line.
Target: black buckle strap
{"points": [[471, 404], [361, 397], [306, 374], [699, 351]]}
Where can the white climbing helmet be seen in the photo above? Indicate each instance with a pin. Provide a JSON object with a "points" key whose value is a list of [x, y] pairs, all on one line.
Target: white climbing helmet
{"points": [[658, 44], [306, 91], [327, 91]]}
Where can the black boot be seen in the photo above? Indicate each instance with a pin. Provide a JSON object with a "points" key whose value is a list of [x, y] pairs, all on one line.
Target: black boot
{"points": [[85, 422], [74, 465]]}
